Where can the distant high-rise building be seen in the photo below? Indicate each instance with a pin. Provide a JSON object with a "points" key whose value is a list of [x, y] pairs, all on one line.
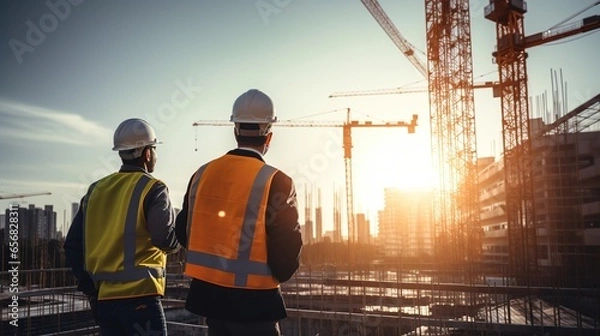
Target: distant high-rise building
{"points": [[308, 223], [318, 218], [35, 223], [406, 222], [337, 218], [329, 236], [50, 215], [307, 233], [74, 209], [363, 228]]}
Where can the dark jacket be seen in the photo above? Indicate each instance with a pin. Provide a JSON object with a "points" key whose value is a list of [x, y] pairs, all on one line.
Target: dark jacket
{"points": [[160, 217], [284, 243]]}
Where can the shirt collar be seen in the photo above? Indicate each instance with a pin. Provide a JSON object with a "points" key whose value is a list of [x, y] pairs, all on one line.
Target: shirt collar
{"points": [[253, 150], [132, 168]]}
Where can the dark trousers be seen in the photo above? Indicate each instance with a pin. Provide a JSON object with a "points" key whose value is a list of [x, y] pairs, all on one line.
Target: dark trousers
{"points": [[225, 328], [142, 316]]}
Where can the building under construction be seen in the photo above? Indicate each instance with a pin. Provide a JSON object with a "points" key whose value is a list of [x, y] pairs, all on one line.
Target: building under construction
{"points": [[404, 289], [500, 247], [566, 237], [406, 224]]}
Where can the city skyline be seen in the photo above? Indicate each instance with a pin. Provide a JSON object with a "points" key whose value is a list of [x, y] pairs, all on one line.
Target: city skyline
{"points": [[33, 222]]}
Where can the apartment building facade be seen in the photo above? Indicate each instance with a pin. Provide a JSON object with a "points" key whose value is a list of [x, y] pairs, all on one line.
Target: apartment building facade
{"points": [[35, 223], [566, 176], [406, 223]]}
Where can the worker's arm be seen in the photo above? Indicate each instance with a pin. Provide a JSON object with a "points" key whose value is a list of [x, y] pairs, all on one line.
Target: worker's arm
{"points": [[160, 218], [75, 255], [284, 241], [182, 219]]}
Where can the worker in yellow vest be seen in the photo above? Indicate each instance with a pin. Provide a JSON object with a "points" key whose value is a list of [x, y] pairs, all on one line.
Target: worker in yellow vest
{"points": [[239, 223], [119, 239]]}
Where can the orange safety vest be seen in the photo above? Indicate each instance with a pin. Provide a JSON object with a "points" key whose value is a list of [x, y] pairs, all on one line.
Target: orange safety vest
{"points": [[227, 238], [119, 254]]}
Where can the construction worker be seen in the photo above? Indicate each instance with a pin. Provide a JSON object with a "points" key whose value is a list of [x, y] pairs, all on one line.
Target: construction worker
{"points": [[239, 223], [119, 239]]}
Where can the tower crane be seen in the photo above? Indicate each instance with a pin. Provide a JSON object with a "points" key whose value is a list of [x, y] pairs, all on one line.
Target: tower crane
{"points": [[407, 89], [449, 73], [511, 59], [347, 127], [407, 48], [451, 100], [388, 26], [11, 196]]}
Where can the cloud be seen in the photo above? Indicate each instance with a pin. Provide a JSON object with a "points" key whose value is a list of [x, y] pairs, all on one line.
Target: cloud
{"points": [[33, 123], [37, 185]]}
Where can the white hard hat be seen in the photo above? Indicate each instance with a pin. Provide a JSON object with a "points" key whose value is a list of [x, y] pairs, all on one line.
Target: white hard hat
{"points": [[254, 107], [134, 133]]}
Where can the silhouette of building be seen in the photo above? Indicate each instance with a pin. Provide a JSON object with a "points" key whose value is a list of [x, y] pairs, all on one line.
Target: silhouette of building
{"points": [[337, 217], [363, 229], [307, 232], [74, 209], [406, 222], [318, 219], [35, 224]]}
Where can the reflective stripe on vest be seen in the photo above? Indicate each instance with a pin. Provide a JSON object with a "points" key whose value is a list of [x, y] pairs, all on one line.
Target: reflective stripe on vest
{"points": [[130, 272], [241, 266]]}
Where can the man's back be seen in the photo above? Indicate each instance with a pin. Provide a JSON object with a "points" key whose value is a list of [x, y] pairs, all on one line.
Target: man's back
{"points": [[283, 244], [118, 240], [239, 223]]}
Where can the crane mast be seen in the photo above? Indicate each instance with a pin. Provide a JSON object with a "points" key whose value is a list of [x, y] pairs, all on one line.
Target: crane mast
{"points": [[516, 130], [449, 72], [347, 143], [453, 138]]}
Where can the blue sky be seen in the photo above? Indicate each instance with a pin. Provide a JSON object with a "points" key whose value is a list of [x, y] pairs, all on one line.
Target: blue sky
{"points": [[71, 73]]}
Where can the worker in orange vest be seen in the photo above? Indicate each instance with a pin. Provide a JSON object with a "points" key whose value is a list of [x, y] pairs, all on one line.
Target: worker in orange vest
{"points": [[119, 239], [239, 223]]}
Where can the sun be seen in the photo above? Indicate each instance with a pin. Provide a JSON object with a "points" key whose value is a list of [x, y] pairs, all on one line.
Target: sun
{"points": [[389, 165]]}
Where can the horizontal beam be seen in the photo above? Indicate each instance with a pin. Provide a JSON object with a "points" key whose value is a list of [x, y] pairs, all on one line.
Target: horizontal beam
{"points": [[375, 320], [468, 288]]}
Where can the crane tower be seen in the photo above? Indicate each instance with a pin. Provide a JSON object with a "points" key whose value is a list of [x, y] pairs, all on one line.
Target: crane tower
{"points": [[449, 72]]}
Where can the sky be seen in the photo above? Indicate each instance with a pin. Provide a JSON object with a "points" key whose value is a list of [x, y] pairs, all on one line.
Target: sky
{"points": [[72, 70]]}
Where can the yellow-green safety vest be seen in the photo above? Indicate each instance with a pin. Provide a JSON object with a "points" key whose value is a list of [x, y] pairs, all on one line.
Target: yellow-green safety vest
{"points": [[119, 254]]}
